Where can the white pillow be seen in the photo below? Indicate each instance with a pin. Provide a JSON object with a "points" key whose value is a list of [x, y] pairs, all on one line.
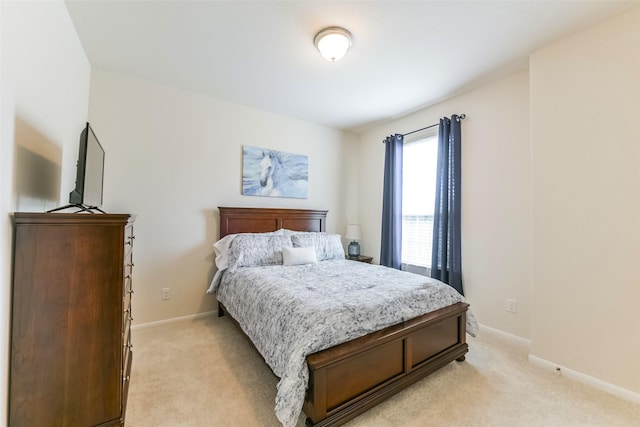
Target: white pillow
{"points": [[221, 249], [297, 256]]}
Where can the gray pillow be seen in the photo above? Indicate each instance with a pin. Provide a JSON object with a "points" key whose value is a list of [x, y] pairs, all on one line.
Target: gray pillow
{"points": [[251, 250], [328, 246]]}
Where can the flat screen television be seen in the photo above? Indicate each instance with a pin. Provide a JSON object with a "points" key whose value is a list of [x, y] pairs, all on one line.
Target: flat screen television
{"points": [[90, 172]]}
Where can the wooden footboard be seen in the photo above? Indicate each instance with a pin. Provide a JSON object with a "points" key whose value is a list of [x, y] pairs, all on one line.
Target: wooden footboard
{"points": [[348, 379]]}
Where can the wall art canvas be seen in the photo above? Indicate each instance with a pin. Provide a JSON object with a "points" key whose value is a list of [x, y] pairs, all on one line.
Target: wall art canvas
{"points": [[274, 173]]}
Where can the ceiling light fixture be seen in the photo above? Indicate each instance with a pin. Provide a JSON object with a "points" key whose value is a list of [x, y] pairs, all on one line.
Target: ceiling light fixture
{"points": [[333, 43]]}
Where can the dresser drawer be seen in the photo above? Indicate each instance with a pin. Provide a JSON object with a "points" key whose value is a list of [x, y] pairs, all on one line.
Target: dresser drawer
{"points": [[126, 374], [127, 348], [128, 268], [126, 332], [129, 238], [126, 380], [127, 316], [126, 297]]}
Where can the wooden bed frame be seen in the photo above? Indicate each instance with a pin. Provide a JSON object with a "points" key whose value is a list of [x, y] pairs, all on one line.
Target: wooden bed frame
{"points": [[348, 379]]}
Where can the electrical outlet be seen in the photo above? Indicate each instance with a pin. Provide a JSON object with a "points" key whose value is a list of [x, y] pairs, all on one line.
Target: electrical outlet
{"points": [[166, 293], [512, 305]]}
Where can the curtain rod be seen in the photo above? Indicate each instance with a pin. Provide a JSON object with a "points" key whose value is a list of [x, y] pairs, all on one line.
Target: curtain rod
{"points": [[461, 116]]}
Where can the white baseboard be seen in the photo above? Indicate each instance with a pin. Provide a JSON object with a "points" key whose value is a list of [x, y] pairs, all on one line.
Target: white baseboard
{"points": [[586, 379], [174, 320], [570, 373], [513, 338]]}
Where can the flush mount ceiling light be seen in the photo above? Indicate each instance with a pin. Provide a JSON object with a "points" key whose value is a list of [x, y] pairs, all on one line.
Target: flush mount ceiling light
{"points": [[333, 43]]}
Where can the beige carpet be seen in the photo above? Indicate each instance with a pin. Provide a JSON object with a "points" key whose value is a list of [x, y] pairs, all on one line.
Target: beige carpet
{"points": [[205, 373]]}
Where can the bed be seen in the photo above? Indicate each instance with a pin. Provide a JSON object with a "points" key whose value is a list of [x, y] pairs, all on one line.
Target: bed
{"points": [[343, 380]]}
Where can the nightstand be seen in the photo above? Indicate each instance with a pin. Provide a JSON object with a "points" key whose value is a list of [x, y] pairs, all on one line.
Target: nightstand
{"points": [[361, 258]]}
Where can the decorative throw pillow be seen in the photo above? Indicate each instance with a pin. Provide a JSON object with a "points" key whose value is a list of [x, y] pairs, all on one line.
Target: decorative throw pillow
{"points": [[298, 256], [328, 246]]}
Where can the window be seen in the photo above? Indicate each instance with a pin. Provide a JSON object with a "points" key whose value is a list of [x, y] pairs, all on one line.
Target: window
{"points": [[420, 159]]}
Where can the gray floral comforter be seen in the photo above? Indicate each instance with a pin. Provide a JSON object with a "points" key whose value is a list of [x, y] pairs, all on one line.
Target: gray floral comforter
{"points": [[290, 312]]}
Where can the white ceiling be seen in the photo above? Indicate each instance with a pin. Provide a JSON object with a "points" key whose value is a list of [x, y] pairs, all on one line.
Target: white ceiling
{"points": [[405, 56]]}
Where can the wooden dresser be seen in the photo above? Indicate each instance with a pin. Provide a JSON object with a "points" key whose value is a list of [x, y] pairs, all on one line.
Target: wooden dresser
{"points": [[71, 347]]}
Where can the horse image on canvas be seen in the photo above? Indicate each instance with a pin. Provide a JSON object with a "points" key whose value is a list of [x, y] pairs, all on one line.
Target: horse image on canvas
{"points": [[274, 173]]}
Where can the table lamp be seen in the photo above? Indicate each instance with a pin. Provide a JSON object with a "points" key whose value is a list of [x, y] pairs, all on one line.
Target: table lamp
{"points": [[353, 233]]}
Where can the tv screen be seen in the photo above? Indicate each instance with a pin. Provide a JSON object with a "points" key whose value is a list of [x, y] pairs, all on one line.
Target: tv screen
{"points": [[90, 171]]}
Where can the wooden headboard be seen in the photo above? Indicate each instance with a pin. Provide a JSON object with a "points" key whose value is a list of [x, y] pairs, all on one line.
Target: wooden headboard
{"points": [[260, 220]]}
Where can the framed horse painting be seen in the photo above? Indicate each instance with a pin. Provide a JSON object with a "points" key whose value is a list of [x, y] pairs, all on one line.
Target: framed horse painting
{"points": [[274, 173]]}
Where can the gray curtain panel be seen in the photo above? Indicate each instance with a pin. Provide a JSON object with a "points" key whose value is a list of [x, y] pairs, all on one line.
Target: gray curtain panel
{"points": [[446, 261], [391, 244]]}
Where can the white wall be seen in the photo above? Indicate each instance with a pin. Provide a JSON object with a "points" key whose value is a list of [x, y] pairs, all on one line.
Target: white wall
{"points": [[496, 201], [586, 184], [173, 157], [44, 95]]}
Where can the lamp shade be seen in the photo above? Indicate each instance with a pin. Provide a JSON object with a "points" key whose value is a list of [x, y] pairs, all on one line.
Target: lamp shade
{"points": [[353, 232], [333, 43]]}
